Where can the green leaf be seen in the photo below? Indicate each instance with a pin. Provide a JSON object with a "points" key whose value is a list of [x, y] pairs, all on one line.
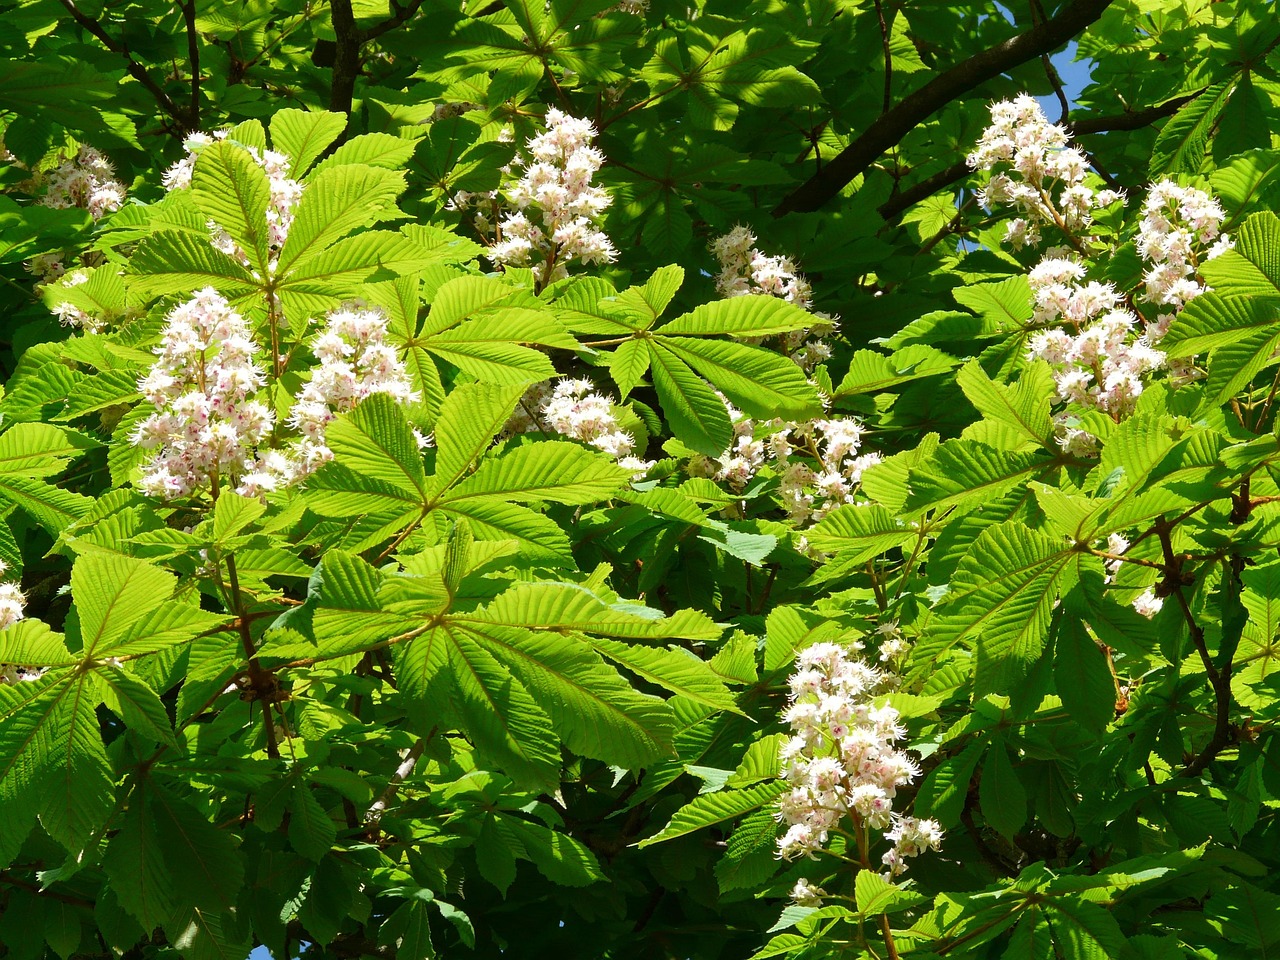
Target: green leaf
{"points": [[595, 711], [559, 857], [872, 372], [1252, 269], [1003, 798], [1180, 147], [172, 262], [470, 418], [857, 533], [304, 135], [1082, 678], [713, 808], [763, 384], [113, 593], [232, 191], [1024, 406], [311, 831], [748, 316], [375, 441], [137, 705], [697, 417], [336, 201], [206, 867], [675, 669], [875, 895], [1002, 596], [500, 716], [136, 864], [549, 470]]}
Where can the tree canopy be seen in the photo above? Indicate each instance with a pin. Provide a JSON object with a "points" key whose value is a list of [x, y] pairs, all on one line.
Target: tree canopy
{"points": [[588, 479]]}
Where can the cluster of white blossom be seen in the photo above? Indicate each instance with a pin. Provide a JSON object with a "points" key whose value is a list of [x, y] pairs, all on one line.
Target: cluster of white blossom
{"points": [[557, 208], [12, 604], [817, 461], [355, 362], [11, 600], [1146, 603], [841, 761], [1032, 158], [88, 181], [1100, 349], [1098, 359], [574, 408], [285, 192], [1181, 228], [207, 425], [745, 270]]}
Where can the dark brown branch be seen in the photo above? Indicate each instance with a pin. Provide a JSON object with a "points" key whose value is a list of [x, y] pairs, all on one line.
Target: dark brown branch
{"points": [[134, 68], [400, 15], [887, 130], [1130, 119], [193, 55], [346, 57], [1219, 679], [261, 682]]}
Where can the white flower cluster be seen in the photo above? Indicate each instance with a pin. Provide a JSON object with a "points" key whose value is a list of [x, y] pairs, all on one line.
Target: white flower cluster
{"points": [[87, 180], [11, 611], [285, 192], [1181, 228], [207, 425], [1146, 603], [573, 408], [1033, 158], [11, 601], [556, 205], [355, 362], [807, 494], [745, 270], [842, 761], [1097, 360], [1101, 350]]}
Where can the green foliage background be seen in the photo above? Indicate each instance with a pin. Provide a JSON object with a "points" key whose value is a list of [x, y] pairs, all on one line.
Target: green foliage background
{"points": [[532, 710]]}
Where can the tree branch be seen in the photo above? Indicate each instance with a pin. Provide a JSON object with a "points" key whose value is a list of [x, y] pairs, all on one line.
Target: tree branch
{"points": [[134, 68], [193, 55], [1129, 120], [888, 129], [346, 57], [400, 15]]}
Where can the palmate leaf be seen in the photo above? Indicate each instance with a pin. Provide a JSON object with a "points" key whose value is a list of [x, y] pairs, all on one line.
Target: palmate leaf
{"points": [[1180, 147], [675, 669], [349, 616], [1252, 269], [374, 441], [568, 606], [339, 269], [470, 418], [1023, 406], [232, 190], [871, 372], [1211, 321], [857, 533], [1002, 596], [539, 537], [136, 864], [960, 470]]}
